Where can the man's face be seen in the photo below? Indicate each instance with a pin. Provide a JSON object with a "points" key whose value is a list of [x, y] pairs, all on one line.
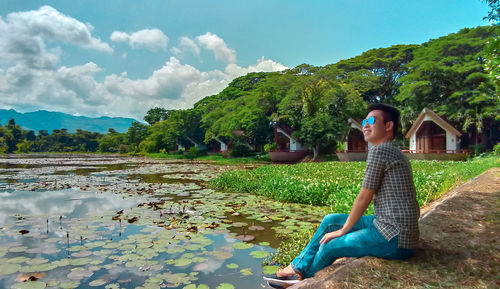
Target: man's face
{"points": [[378, 131]]}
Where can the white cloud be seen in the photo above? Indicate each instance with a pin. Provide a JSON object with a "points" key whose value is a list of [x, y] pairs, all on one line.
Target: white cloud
{"points": [[26, 32], [218, 46], [188, 44], [152, 39], [31, 77], [262, 65], [76, 90]]}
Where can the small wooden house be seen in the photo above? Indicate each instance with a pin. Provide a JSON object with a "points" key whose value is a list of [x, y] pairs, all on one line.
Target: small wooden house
{"points": [[288, 148], [216, 145], [355, 146], [431, 137], [284, 140]]}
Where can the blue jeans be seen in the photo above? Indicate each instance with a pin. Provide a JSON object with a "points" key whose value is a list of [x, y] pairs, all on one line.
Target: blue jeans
{"points": [[363, 240]]}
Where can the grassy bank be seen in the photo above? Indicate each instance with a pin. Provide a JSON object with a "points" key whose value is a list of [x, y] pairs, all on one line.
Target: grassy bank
{"points": [[215, 159], [336, 184]]}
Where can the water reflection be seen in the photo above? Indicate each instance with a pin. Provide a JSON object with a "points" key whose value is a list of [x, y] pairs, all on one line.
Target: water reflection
{"points": [[130, 253], [71, 203]]}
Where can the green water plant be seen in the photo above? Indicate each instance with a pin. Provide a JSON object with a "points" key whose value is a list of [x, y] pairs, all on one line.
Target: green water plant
{"points": [[336, 184]]}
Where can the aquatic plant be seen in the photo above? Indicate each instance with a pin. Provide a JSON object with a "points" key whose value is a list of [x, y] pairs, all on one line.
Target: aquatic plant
{"points": [[336, 184]]}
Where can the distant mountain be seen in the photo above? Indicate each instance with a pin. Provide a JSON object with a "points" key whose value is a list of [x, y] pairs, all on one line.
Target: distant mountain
{"points": [[48, 120]]}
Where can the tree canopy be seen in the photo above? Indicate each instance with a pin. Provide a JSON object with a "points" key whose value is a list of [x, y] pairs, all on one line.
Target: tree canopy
{"points": [[456, 75]]}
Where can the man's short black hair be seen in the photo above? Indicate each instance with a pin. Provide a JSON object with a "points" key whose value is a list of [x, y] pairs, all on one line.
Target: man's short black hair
{"points": [[390, 113]]}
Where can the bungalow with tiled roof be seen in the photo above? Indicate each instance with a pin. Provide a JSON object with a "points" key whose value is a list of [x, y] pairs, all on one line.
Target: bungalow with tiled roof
{"points": [[355, 146], [432, 137], [288, 148]]}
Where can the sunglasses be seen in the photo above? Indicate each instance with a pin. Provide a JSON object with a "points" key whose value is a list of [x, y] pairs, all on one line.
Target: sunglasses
{"points": [[370, 121]]}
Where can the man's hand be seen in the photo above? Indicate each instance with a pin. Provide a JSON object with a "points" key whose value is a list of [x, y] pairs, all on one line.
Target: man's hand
{"points": [[331, 236]]}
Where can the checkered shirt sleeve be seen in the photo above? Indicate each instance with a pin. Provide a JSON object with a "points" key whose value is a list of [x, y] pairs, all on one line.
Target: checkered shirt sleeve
{"points": [[395, 206]]}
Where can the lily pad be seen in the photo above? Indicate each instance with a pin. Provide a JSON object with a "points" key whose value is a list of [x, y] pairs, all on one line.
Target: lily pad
{"points": [[245, 238], [18, 260], [18, 249], [225, 286], [8, 268], [182, 262], [246, 272], [97, 282], [53, 283], [81, 254], [193, 286], [69, 285], [259, 254], [232, 266], [79, 274], [222, 255], [29, 285], [243, 245], [61, 263], [239, 224], [255, 228], [268, 270], [264, 243], [37, 261], [80, 261], [198, 259]]}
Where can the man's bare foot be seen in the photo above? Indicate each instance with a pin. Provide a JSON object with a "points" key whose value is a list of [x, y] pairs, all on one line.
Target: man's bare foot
{"points": [[288, 271]]}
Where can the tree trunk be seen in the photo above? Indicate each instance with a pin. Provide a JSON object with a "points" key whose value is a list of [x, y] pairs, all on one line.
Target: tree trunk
{"points": [[315, 152]]}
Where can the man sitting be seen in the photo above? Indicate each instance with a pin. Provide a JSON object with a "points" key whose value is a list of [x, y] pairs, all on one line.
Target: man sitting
{"points": [[392, 232]]}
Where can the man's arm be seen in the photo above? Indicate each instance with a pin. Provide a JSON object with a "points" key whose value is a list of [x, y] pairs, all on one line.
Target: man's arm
{"points": [[359, 207]]}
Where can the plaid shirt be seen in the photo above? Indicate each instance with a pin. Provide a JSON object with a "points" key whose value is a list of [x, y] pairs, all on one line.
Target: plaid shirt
{"points": [[395, 206]]}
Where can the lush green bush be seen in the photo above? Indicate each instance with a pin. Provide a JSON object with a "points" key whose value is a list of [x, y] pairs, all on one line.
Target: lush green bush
{"points": [[496, 149], [239, 149], [192, 153], [270, 146], [336, 184]]}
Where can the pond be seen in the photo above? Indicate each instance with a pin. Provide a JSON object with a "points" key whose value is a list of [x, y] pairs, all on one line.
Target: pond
{"points": [[105, 221]]}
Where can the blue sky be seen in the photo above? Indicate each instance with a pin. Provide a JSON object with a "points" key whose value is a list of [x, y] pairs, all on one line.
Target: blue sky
{"points": [[123, 57]]}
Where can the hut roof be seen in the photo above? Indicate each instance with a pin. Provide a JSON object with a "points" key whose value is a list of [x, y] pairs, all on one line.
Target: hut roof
{"points": [[436, 118]]}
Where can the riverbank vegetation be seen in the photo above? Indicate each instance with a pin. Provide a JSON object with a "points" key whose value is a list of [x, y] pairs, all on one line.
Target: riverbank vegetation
{"points": [[451, 75], [336, 185], [216, 159]]}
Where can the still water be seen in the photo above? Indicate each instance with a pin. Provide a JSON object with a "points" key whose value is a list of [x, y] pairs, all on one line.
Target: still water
{"points": [[97, 221]]}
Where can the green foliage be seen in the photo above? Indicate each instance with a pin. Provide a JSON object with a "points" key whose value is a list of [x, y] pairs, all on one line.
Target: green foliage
{"points": [[290, 247], [270, 147], [155, 115], [496, 149], [494, 13], [3, 145], [328, 184], [23, 147], [457, 76], [166, 134], [336, 184], [123, 149], [319, 113], [136, 133], [111, 142], [447, 75], [193, 152], [239, 149]]}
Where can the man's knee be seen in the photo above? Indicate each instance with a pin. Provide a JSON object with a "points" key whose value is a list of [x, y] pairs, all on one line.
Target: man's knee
{"points": [[335, 219]]}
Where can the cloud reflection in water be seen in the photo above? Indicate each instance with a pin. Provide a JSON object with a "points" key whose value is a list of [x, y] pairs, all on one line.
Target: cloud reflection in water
{"points": [[70, 203]]}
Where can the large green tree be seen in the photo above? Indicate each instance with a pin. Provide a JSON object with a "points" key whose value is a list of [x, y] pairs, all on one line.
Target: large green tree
{"points": [[156, 114], [448, 76], [318, 114]]}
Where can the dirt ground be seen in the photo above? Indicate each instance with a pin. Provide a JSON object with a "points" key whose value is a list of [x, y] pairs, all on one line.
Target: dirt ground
{"points": [[459, 246]]}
